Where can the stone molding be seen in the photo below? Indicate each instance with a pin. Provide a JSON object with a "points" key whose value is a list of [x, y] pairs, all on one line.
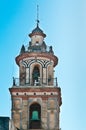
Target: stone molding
{"points": [[33, 54], [36, 90]]}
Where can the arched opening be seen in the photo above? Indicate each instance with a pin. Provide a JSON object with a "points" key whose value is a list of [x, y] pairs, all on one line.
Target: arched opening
{"points": [[36, 75], [35, 116]]}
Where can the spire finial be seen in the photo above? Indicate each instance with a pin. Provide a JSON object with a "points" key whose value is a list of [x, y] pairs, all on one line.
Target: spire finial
{"points": [[38, 15]]}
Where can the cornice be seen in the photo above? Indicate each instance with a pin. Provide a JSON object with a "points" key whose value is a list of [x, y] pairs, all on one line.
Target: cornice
{"points": [[37, 54]]}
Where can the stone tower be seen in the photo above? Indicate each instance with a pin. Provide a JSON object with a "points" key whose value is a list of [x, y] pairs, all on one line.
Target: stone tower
{"points": [[36, 97]]}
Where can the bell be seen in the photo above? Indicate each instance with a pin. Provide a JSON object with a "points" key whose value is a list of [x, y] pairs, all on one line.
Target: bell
{"points": [[35, 115]]}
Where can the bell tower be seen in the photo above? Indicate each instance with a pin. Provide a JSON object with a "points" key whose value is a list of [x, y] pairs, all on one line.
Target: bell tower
{"points": [[36, 97]]}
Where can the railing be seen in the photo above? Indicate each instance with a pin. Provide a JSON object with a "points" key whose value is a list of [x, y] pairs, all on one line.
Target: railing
{"points": [[35, 82]]}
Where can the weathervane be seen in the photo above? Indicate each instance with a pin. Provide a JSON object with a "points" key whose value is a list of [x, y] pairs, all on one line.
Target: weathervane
{"points": [[38, 16]]}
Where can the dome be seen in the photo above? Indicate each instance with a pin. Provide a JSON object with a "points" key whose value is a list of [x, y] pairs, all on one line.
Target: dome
{"points": [[37, 31]]}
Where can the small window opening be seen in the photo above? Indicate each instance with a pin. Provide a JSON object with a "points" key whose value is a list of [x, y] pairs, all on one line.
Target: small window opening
{"points": [[25, 94], [34, 93], [17, 94]]}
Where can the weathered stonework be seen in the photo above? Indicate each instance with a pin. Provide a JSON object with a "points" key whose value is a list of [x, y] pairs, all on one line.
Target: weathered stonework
{"points": [[36, 98], [49, 106]]}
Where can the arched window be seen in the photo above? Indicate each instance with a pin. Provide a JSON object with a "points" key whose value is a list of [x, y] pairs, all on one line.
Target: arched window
{"points": [[35, 116], [36, 73]]}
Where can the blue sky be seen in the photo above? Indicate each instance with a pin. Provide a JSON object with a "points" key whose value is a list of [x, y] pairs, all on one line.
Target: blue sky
{"points": [[64, 22]]}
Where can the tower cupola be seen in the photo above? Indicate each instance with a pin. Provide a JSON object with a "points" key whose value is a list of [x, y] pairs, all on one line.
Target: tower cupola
{"points": [[37, 31], [36, 60], [37, 36]]}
